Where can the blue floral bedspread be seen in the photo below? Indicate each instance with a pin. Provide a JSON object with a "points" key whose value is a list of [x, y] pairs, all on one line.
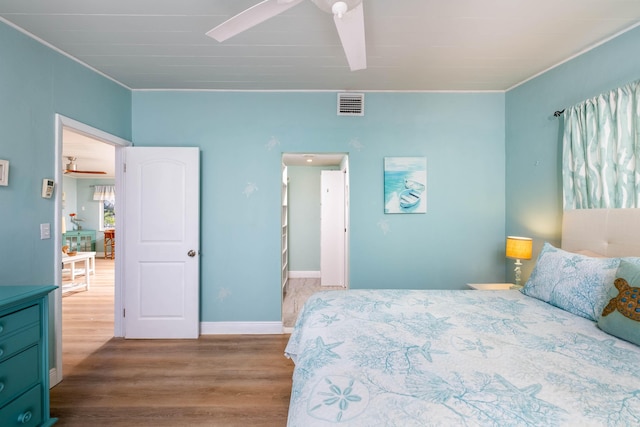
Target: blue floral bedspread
{"points": [[452, 358]]}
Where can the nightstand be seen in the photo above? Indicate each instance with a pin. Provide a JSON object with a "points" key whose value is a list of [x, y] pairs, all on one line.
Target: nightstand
{"points": [[493, 286]]}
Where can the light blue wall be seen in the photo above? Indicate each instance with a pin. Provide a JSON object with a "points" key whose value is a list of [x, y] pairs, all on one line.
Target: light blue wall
{"points": [[36, 83], [242, 137], [471, 141], [533, 135]]}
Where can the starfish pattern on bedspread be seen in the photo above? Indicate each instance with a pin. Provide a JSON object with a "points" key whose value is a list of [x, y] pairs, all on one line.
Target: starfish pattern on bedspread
{"points": [[417, 358]]}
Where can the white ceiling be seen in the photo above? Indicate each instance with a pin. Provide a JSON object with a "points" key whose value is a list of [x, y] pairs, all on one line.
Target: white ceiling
{"points": [[412, 45], [312, 159]]}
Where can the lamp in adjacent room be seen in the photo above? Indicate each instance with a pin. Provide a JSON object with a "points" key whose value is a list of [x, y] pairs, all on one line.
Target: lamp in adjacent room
{"points": [[518, 248]]}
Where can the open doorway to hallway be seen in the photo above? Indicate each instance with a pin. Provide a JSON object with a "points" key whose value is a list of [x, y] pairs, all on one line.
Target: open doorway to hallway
{"points": [[315, 228], [87, 212], [75, 168]]}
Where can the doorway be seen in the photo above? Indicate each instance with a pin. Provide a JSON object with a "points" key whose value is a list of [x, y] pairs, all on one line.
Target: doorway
{"points": [[87, 188], [75, 139], [309, 246]]}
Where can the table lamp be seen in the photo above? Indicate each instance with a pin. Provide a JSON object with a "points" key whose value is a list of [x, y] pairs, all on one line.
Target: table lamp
{"points": [[518, 248]]}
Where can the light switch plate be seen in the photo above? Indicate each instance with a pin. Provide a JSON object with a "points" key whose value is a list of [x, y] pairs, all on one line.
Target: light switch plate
{"points": [[45, 231]]}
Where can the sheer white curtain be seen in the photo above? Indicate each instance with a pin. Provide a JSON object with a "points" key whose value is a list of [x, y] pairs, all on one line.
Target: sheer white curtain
{"points": [[104, 192], [601, 151]]}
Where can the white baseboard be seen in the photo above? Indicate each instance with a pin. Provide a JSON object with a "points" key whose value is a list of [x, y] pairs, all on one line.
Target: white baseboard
{"points": [[241, 328], [53, 377], [304, 275]]}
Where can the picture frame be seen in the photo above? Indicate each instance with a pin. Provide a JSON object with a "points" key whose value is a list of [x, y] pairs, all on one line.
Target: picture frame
{"points": [[405, 185], [4, 172]]}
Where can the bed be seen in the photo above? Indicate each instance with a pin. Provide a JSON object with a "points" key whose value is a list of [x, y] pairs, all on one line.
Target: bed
{"points": [[536, 357]]}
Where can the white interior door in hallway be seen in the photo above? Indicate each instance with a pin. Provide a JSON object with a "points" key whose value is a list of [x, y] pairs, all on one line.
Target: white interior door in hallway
{"points": [[332, 228]]}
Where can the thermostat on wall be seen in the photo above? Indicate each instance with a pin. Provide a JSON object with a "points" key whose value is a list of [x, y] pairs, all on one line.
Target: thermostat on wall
{"points": [[47, 188]]}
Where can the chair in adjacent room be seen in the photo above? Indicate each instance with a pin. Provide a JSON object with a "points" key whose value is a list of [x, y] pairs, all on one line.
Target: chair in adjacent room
{"points": [[110, 243]]}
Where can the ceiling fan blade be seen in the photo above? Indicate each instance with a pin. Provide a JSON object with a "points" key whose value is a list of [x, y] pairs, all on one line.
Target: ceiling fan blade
{"points": [[253, 16], [73, 168], [351, 31], [92, 172]]}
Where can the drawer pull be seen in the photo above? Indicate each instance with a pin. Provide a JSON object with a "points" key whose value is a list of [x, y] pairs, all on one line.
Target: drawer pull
{"points": [[1, 328], [1, 387], [1, 351], [25, 417]]}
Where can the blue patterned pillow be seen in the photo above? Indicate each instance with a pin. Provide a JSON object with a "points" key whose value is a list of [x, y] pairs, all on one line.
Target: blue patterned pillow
{"points": [[621, 316], [573, 282], [631, 260]]}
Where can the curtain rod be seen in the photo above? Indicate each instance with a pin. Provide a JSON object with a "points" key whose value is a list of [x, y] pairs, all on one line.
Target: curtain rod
{"points": [[558, 113]]}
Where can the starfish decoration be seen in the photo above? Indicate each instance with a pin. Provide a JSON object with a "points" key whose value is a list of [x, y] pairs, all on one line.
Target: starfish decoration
{"points": [[273, 142], [355, 143], [250, 189], [384, 226], [327, 320], [478, 346], [427, 351], [223, 294], [321, 353]]}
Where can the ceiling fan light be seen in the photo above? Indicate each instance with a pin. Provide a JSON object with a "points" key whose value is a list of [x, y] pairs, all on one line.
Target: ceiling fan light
{"points": [[339, 8]]}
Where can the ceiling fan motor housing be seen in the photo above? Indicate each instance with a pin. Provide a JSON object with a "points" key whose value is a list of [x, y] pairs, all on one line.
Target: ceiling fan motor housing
{"points": [[328, 5], [71, 166]]}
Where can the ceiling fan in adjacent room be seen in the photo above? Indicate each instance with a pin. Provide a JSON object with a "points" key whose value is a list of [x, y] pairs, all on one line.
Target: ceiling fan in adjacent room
{"points": [[71, 167], [348, 16]]}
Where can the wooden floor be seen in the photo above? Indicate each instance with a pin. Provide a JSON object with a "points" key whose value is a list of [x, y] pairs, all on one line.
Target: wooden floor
{"points": [[227, 380]]}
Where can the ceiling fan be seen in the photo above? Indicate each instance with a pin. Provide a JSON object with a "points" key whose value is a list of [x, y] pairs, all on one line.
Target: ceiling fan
{"points": [[347, 15], [73, 168]]}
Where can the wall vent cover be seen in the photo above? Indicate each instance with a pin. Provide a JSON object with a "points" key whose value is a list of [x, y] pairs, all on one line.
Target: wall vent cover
{"points": [[351, 104]]}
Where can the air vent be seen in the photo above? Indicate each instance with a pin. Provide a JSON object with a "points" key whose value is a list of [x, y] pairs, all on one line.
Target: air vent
{"points": [[351, 104]]}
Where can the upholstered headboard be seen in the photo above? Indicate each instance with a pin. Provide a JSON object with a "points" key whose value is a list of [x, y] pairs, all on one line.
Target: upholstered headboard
{"points": [[609, 232]]}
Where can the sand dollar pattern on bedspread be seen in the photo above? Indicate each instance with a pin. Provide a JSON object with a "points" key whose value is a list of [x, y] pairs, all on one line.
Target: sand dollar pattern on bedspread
{"points": [[415, 358]]}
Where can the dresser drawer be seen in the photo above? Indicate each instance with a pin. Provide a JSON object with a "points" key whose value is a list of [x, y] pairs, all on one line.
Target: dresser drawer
{"points": [[16, 342], [19, 319], [24, 411], [17, 374]]}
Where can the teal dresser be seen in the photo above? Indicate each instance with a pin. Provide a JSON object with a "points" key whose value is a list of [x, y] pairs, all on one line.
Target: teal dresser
{"points": [[24, 356]]}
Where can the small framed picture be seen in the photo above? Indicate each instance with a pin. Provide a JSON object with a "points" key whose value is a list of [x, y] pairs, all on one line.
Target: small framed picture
{"points": [[405, 185], [4, 172]]}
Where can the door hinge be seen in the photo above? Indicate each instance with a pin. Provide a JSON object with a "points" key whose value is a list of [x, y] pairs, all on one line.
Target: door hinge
{"points": [[124, 312], [124, 167]]}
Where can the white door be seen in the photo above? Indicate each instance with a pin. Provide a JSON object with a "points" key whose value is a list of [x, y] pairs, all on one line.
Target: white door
{"points": [[332, 228], [344, 167], [161, 238]]}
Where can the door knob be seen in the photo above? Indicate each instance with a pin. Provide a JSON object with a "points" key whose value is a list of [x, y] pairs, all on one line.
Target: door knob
{"points": [[191, 253]]}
